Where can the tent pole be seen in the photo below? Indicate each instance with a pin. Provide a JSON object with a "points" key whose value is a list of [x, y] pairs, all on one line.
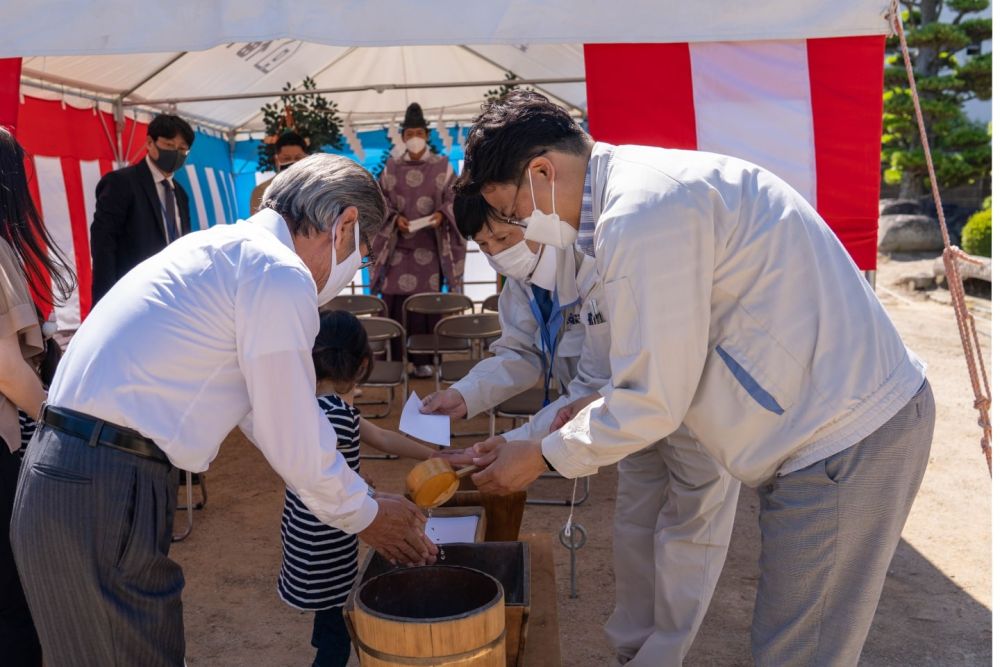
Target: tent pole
{"points": [[119, 113], [231, 135]]}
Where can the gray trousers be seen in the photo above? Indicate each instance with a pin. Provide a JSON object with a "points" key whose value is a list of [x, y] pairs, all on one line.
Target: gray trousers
{"points": [[90, 532], [673, 520], [828, 533]]}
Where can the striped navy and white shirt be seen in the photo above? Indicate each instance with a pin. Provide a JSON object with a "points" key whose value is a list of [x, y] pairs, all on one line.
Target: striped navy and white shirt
{"points": [[28, 426], [319, 562]]}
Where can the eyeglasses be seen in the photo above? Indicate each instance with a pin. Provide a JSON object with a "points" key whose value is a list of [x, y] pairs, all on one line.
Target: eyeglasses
{"points": [[367, 261], [510, 219]]}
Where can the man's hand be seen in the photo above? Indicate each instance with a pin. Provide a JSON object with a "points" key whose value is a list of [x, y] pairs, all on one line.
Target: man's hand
{"points": [[398, 532], [448, 402], [513, 466], [436, 219], [458, 458], [567, 412], [403, 224], [485, 452]]}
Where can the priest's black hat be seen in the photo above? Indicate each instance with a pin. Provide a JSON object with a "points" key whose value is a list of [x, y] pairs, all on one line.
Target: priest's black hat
{"points": [[414, 117]]}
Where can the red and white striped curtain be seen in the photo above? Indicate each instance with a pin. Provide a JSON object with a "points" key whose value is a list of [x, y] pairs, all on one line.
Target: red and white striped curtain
{"points": [[69, 149], [809, 110]]}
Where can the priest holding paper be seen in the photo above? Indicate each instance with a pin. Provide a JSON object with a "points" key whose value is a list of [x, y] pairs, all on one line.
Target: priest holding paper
{"points": [[418, 248]]}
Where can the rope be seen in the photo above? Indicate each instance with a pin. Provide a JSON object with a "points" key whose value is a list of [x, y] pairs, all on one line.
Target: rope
{"points": [[951, 256]]}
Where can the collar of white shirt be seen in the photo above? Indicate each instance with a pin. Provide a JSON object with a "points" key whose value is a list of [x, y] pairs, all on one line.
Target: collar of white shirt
{"points": [[272, 221], [158, 176]]}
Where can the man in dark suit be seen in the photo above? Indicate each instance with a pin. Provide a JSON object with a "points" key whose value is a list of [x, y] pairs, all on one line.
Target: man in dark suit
{"points": [[140, 209]]}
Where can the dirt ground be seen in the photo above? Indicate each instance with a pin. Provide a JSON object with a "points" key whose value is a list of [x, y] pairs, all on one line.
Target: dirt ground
{"points": [[935, 609]]}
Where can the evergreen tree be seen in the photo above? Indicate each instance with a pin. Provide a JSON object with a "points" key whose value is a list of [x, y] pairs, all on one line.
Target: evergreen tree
{"points": [[308, 113], [960, 146]]}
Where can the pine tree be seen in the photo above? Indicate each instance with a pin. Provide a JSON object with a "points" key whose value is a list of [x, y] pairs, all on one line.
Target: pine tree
{"points": [[960, 146], [308, 113], [494, 94]]}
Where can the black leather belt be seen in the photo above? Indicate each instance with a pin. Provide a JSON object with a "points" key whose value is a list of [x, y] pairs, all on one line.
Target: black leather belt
{"points": [[98, 432]]}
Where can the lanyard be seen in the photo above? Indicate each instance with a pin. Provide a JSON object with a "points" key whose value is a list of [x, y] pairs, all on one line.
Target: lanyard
{"points": [[550, 338]]}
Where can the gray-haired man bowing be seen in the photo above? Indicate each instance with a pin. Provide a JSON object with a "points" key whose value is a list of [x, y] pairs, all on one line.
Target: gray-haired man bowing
{"points": [[213, 332]]}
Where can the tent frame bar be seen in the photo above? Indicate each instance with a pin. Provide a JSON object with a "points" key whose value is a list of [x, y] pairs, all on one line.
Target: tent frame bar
{"points": [[84, 94], [548, 93], [152, 75], [379, 88]]}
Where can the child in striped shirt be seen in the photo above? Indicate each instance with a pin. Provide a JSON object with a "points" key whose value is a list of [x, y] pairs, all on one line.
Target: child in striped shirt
{"points": [[319, 563]]}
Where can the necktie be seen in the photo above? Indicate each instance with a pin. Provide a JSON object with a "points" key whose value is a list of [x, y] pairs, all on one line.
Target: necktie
{"points": [[170, 212], [544, 300]]}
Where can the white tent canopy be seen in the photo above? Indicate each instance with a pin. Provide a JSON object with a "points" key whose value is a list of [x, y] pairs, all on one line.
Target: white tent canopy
{"points": [[242, 70], [387, 53]]}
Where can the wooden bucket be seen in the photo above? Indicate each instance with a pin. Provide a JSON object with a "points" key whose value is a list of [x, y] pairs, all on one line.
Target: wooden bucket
{"points": [[438, 615]]}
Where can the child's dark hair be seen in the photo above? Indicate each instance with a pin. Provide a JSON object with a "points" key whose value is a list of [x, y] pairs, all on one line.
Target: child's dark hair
{"points": [[341, 353]]}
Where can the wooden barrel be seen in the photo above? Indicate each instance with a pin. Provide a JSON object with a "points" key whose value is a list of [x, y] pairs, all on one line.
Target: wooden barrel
{"points": [[438, 615]]}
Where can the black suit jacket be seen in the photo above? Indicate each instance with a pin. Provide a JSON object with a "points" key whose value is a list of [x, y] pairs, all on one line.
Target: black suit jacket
{"points": [[128, 224]]}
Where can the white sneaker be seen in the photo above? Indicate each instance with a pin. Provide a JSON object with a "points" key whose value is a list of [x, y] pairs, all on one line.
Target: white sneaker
{"points": [[423, 371]]}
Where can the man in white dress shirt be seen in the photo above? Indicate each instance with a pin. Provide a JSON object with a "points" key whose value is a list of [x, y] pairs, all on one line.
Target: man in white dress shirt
{"points": [[215, 331]]}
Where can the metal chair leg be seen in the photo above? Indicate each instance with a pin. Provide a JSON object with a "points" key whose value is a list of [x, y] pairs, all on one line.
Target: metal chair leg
{"points": [[387, 403], [562, 503], [189, 506]]}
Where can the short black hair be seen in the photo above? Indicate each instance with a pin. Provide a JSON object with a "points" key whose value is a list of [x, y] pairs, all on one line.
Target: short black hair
{"points": [[472, 213], [169, 126], [290, 139], [341, 353], [510, 132]]}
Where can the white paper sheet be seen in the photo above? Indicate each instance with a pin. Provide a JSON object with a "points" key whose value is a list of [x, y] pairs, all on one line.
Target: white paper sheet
{"points": [[430, 428], [420, 223], [451, 529]]}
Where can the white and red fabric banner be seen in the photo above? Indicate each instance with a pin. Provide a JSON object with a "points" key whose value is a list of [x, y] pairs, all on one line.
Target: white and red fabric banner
{"points": [[10, 86], [809, 110], [70, 149], [68, 152]]}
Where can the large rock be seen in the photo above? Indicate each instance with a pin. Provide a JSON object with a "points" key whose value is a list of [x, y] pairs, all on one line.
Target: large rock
{"points": [[955, 215], [903, 233], [900, 207], [967, 270]]}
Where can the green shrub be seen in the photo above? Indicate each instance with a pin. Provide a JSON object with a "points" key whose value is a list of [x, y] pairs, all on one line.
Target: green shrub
{"points": [[977, 235]]}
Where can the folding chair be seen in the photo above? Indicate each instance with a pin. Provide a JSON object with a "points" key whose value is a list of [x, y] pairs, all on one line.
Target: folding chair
{"points": [[475, 329], [359, 304], [189, 505], [521, 408], [435, 303], [386, 373], [491, 303]]}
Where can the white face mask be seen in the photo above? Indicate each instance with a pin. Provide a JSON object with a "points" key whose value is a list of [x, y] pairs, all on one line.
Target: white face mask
{"points": [[341, 274], [547, 228], [515, 262], [416, 145]]}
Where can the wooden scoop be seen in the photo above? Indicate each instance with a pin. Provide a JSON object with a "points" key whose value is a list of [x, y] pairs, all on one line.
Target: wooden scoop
{"points": [[432, 482]]}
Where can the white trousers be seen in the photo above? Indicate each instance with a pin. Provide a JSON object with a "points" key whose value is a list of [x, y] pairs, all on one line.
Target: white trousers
{"points": [[673, 520]]}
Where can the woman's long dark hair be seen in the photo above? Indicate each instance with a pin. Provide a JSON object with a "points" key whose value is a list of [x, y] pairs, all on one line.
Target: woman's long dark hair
{"points": [[22, 227]]}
